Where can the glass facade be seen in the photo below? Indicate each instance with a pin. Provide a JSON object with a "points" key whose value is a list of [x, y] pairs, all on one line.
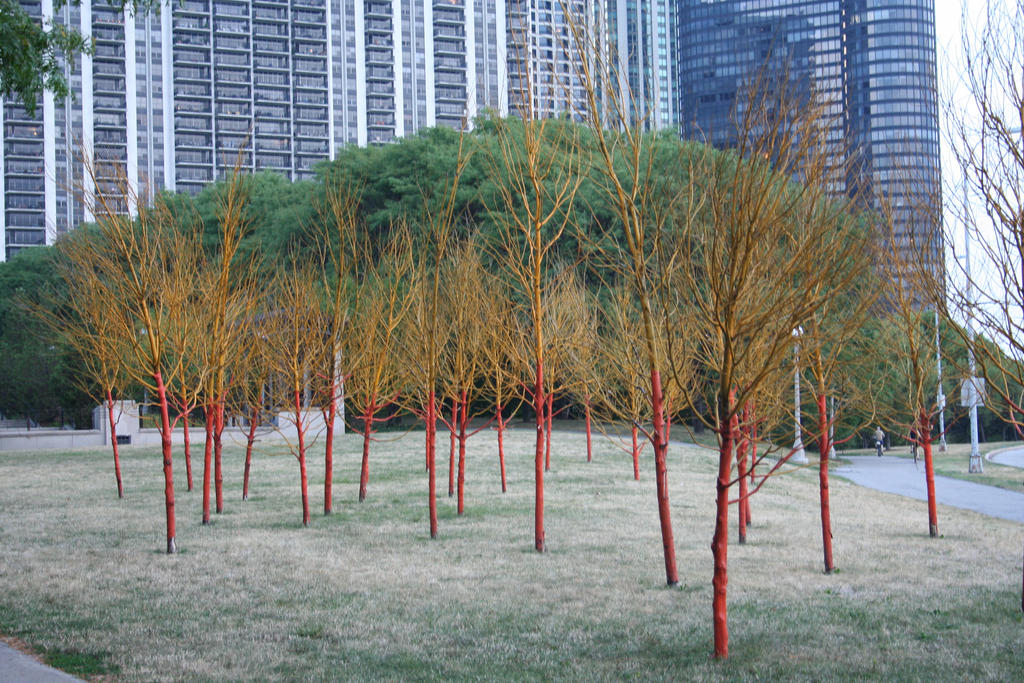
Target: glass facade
{"points": [[871, 63], [892, 114]]}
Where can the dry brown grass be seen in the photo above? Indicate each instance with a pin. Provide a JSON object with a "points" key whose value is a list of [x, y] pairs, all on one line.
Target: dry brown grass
{"points": [[365, 594]]}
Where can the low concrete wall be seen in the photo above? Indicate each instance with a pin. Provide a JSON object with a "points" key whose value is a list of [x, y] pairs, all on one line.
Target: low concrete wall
{"points": [[129, 433], [49, 439]]}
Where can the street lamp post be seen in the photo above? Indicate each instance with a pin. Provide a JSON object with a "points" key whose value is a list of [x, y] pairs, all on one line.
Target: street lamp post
{"points": [[940, 398], [832, 429], [799, 456], [972, 385]]}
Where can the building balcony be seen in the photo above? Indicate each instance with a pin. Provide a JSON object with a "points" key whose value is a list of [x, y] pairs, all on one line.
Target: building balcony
{"points": [[191, 58], [381, 120], [314, 18], [23, 149], [187, 23], [309, 66], [377, 88], [442, 31], [450, 78], [444, 46], [380, 73]]}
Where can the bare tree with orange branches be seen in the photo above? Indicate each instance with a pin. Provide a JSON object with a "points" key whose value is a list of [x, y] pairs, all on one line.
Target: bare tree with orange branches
{"points": [[624, 159], [376, 377], [499, 380], [584, 364], [338, 227], [292, 329], [833, 345], [227, 292], [248, 395], [539, 166], [565, 327], [750, 270], [426, 331], [464, 355], [145, 270], [622, 363], [93, 334]]}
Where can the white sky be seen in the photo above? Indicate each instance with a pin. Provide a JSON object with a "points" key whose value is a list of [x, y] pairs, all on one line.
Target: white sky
{"points": [[948, 20], [948, 27]]}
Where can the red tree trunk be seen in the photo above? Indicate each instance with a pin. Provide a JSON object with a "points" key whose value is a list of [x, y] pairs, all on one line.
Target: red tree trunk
{"points": [[661, 478], [207, 462], [332, 408], [741, 471], [113, 443], [826, 512], [302, 459], [636, 456], [218, 431], [547, 438], [464, 409], [720, 541], [924, 428], [165, 443], [501, 447], [451, 448], [538, 510], [188, 445], [431, 469], [364, 471], [586, 412], [253, 420]]}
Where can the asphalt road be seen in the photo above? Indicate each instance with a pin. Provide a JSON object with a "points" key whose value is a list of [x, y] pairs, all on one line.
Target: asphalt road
{"points": [[1014, 457], [19, 668], [902, 477]]}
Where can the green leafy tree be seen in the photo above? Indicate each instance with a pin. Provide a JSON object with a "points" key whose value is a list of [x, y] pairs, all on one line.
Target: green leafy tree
{"points": [[33, 53], [37, 371]]}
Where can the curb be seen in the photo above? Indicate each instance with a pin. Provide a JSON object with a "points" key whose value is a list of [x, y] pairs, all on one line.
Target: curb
{"points": [[1000, 451]]}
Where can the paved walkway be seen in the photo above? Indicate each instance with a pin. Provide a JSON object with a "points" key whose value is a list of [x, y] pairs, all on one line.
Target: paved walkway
{"points": [[900, 476], [1014, 457], [16, 667]]}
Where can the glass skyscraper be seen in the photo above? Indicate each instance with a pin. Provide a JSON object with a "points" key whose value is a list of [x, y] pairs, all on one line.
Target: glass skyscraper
{"points": [[872, 63]]}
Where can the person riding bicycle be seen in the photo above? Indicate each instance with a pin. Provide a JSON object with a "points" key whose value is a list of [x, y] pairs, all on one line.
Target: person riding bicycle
{"points": [[879, 440]]}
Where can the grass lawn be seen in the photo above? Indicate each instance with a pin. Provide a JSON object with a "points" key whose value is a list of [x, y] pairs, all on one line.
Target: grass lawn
{"points": [[366, 595], [953, 463]]}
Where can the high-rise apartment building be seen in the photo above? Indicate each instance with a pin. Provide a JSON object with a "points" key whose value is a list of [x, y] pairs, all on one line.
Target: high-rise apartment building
{"points": [[631, 43], [172, 97], [872, 63]]}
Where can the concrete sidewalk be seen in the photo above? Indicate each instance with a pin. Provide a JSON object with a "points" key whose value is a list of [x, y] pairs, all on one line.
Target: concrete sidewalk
{"points": [[16, 667], [902, 477]]}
